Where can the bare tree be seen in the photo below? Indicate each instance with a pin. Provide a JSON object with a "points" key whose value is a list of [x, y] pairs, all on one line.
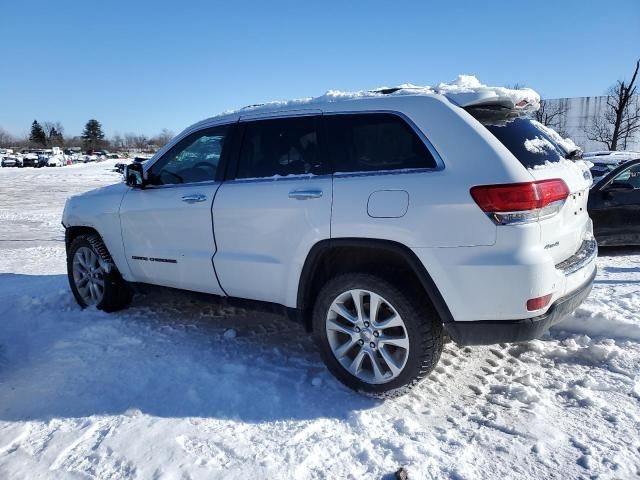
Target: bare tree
{"points": [[163, 137], [621, 118], [552, 114], [130, 140], [54, 132], [117, 141], [6, 139], [141, 142]]}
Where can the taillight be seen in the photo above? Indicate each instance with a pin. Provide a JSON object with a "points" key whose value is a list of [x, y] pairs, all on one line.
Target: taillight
{"points": [[521, 202]]}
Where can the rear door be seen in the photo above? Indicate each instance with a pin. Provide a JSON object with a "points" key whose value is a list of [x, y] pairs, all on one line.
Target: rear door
{"points": [[167, 227], [273, 209]]}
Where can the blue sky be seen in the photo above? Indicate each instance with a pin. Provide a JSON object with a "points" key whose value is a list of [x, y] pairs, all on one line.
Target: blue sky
{"points": [[141, 66]]}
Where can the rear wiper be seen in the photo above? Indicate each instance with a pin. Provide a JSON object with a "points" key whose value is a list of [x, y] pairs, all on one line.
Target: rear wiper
{"points": [[574, 154]]}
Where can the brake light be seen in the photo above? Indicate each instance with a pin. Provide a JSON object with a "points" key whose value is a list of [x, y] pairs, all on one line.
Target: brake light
{"points": [[521, 202], [538, 303]]}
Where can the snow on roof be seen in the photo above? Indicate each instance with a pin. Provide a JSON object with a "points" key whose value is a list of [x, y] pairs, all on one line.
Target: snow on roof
{"points": [[465, 91]]}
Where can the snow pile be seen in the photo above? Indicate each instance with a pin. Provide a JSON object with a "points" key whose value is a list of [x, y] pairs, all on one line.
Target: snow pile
{"points": [[538, 145], [466, 90], [566, 143], [602, 318]]}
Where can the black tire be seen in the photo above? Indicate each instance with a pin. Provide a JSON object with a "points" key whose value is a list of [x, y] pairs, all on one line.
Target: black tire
{"points": [[422, 323], [117, 293]]}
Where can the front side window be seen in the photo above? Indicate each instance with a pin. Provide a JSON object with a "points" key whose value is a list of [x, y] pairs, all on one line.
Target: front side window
{"points": [[279, 147], [374, 141], [628, 177], [193, 159]]}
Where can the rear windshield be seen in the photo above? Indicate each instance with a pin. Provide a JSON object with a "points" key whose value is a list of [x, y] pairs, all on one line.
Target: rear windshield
{"points": [[528, 143]]}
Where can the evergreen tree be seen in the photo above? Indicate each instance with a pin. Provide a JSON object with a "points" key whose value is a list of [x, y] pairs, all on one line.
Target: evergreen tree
{"points": [[38, 136], [92, 134]]}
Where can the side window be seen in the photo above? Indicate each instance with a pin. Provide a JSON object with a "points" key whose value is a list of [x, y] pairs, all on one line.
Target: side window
{"points": [[630, 176], [374, 141], [193, 159], [279, 147]]}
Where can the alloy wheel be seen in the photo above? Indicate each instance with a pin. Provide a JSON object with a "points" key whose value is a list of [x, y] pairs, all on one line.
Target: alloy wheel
{"points": [[88, 275], [367, 336]]}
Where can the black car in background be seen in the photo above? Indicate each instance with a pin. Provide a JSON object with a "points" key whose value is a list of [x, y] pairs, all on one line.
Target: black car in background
{"points": [[33, 160], [614, 206]]}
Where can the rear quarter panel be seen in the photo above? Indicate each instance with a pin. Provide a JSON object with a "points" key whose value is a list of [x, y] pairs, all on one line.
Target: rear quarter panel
{"points": [[441, 212]]}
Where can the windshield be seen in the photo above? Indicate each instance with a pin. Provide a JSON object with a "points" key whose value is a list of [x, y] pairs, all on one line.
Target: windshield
{"points": [[524, 139]]}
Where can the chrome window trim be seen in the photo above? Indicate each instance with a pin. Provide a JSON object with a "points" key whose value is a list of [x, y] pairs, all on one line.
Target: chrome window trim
{"points": [[205, 183], [290, 178]]}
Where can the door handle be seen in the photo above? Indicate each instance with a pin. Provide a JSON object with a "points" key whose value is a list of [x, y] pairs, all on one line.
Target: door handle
{"points": [[194, 198], [305, 194]]}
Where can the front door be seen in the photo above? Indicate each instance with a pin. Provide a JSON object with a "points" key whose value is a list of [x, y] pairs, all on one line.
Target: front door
{"points": [[167, 227], [616, 209], [273, 210]]}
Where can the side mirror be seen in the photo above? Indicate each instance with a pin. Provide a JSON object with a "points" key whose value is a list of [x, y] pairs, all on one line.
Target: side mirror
{"points": [[134, 175]]}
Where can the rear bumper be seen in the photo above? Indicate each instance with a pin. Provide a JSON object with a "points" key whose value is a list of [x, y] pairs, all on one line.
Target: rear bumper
{"points": [[487, 332]]}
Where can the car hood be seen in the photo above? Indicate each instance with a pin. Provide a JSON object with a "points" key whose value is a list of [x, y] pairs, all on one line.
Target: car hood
{"points": [[115, 189], [87, 208]]}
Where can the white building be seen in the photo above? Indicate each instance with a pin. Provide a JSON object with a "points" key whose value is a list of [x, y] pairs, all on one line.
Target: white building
{"points": [[581, 112]]}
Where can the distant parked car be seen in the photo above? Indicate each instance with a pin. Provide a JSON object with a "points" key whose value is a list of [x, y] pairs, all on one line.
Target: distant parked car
{"points": [[120, 166], [614, 205], [96, 156], [35, 160], [12, 161], [606, 161], [57, 161]]}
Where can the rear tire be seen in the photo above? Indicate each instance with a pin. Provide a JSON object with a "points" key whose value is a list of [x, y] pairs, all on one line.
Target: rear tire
{"points": [[93, 277], [396, 350]]}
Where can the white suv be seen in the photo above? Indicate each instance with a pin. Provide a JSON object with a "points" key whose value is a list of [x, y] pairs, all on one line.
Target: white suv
{"points": [[376, 219]]}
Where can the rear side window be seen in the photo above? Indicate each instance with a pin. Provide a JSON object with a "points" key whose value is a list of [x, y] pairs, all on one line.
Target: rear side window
{"points": [[374, 141], [279, 147], [528, 143]]}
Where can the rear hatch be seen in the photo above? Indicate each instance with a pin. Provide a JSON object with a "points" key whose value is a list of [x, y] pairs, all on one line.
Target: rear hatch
{"points": [[547, 156]]}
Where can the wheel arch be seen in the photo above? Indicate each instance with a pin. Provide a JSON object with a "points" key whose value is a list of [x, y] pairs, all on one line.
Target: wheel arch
{"points": [[365, 255], [73, 232]]}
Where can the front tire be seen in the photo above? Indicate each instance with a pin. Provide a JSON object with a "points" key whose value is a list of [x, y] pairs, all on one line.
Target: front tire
{"points": [[376, 338], [93, 277]]}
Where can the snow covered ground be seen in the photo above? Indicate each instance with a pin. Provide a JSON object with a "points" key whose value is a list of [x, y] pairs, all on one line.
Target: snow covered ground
{"points": [[180, 386]]}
